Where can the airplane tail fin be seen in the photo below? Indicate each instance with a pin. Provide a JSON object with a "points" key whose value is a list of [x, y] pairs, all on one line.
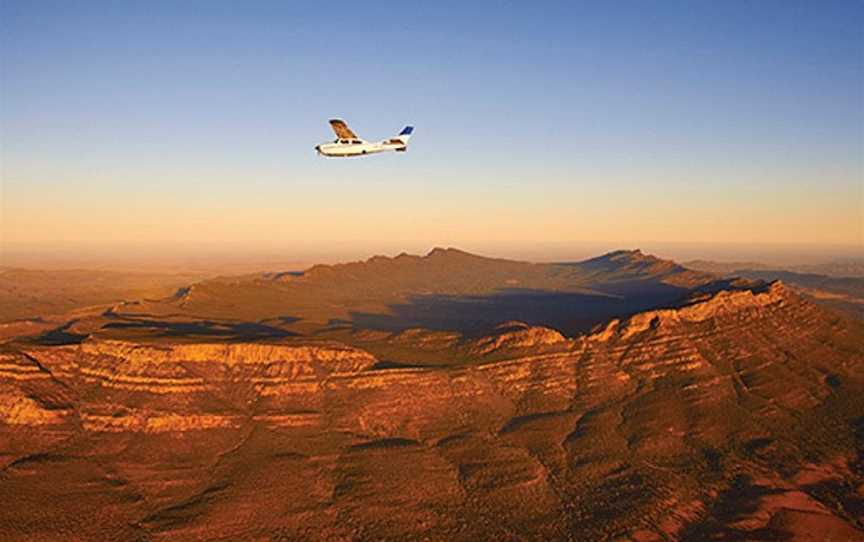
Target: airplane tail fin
{"points": [[405, 134]]}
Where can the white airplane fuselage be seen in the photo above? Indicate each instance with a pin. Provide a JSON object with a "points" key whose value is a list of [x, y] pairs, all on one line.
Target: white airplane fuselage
{"points": [[358, 147]]}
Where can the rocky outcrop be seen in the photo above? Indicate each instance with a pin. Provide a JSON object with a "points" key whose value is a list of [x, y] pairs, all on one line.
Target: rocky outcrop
{"points": [[512, 336], [196, 367], [721, 305], [332, 357]]}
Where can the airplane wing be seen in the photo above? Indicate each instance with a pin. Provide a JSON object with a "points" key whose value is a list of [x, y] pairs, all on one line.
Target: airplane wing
{"points": [[342, 130]]}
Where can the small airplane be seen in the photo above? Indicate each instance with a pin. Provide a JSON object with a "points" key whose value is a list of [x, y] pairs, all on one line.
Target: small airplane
{"points": [[348, 144]]}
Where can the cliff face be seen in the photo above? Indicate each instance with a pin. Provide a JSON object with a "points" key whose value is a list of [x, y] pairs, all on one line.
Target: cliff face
{"points": [[644, 428]]}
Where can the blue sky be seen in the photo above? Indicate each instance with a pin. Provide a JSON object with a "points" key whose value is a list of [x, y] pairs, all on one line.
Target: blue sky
{"points": [[537, 122]]}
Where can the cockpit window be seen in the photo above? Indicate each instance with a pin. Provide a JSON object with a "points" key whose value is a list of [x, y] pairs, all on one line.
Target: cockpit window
{"points": [[355, 142]]}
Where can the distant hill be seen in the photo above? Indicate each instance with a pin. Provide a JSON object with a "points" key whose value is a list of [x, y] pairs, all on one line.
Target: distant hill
{"points": [[840, 285], [838, 268], [28, 293]]}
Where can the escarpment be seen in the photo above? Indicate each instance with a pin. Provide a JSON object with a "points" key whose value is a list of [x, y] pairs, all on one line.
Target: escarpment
{"points": [[720, 346]]}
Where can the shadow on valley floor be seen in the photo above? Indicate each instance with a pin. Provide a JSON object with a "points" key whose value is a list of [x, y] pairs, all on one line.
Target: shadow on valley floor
{"points": [[740, 501], [244, 331], [60, 336], [569, 312]]}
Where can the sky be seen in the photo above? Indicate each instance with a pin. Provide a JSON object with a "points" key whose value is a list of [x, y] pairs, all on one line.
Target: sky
{"points": [[175, 127]]}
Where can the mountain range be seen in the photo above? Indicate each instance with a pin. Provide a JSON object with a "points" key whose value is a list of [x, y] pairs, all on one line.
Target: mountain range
{"points": [[443, 397]]}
